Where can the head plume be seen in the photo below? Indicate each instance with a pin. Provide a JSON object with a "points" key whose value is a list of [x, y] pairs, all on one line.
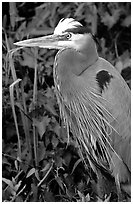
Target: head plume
{"points": [[65, 24]]}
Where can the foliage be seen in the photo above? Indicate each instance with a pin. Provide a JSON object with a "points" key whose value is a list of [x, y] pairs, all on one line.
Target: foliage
{"points": [[38, 163]]}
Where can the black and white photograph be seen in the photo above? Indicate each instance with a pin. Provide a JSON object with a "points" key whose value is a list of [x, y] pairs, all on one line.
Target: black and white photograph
{"points": [[66, 101]]}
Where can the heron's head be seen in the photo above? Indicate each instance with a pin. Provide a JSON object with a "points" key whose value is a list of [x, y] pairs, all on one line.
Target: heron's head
{"points": [[69, 33]]}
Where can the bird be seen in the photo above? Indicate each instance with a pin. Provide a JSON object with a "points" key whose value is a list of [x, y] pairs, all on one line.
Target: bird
{"points": [[94, 100]]}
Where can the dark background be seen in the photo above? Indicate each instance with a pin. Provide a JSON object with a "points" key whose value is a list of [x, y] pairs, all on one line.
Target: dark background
{"points": [[45, 168]]}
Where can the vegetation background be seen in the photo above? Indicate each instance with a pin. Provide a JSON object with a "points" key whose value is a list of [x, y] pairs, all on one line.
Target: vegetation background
{"points": [[38, 164]]}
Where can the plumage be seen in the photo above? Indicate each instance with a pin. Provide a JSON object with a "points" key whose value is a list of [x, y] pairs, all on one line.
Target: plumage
{"points": [[93, 98], [64, 24], [103, 78], [115, 98]]}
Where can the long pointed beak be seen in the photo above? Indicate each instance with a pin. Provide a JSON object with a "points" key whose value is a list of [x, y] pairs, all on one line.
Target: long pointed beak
{"points": [[50, 41]]}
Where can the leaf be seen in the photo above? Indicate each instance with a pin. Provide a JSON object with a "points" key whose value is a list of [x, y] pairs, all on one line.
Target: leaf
{"points": [[67, 158], [5, 161], [57, 129], [37, 175], [14, 113], [16, 164], [46, 167], [8, 182], [82, 197], [34, 190], [49, 197], [123, 62], [80, 9], [16, 187], [19, 199], [127, 21], [54, 141], [111, 20], [13, 187], [20, 32], [32, 171], [28, 60], [76, 164], [50, 107], [47, 173], [87, 198], [60, 182], [41, 151], [125, 58], [99, 199], [13, 14], [119, 66], [107, 199], [41, 125]]}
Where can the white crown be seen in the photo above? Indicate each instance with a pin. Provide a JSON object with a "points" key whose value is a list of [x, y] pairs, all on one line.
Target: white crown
{"points": [[64, 24]]}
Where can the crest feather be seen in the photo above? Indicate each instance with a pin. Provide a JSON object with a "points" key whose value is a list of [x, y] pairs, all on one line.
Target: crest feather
{"points": [[65, 24]]}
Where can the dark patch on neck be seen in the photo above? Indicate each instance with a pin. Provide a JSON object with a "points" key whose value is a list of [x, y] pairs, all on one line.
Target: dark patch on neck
{"points": [[103, 78]]}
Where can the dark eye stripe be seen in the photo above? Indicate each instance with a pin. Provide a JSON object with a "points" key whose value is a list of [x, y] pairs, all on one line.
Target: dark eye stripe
{"points": [[79, 30]]}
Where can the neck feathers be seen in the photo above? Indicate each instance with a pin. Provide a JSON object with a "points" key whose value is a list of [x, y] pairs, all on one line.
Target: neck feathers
{"points": [[71, 62], [88, 50]]}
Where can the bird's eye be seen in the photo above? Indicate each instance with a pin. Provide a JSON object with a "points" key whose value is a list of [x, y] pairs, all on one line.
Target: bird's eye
{"points": [[68, 35]]}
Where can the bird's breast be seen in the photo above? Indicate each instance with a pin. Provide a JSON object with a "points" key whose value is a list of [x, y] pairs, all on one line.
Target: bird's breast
{"points": [[68, 73]]}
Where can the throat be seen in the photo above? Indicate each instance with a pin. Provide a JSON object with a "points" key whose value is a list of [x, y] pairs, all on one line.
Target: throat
{"points": [[88, 52], [71, 62]]}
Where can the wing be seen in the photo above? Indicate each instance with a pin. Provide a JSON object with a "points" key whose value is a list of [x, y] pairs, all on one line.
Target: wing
{"points": [[113, 88]]}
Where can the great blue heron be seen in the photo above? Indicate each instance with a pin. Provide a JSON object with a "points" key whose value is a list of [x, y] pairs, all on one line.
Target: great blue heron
{"points": [[93, 98]]}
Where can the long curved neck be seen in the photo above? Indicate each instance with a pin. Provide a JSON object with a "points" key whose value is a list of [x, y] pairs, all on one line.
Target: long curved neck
{"points": [[88, 52], [86, 57], [70, 64], [71, 61]]}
